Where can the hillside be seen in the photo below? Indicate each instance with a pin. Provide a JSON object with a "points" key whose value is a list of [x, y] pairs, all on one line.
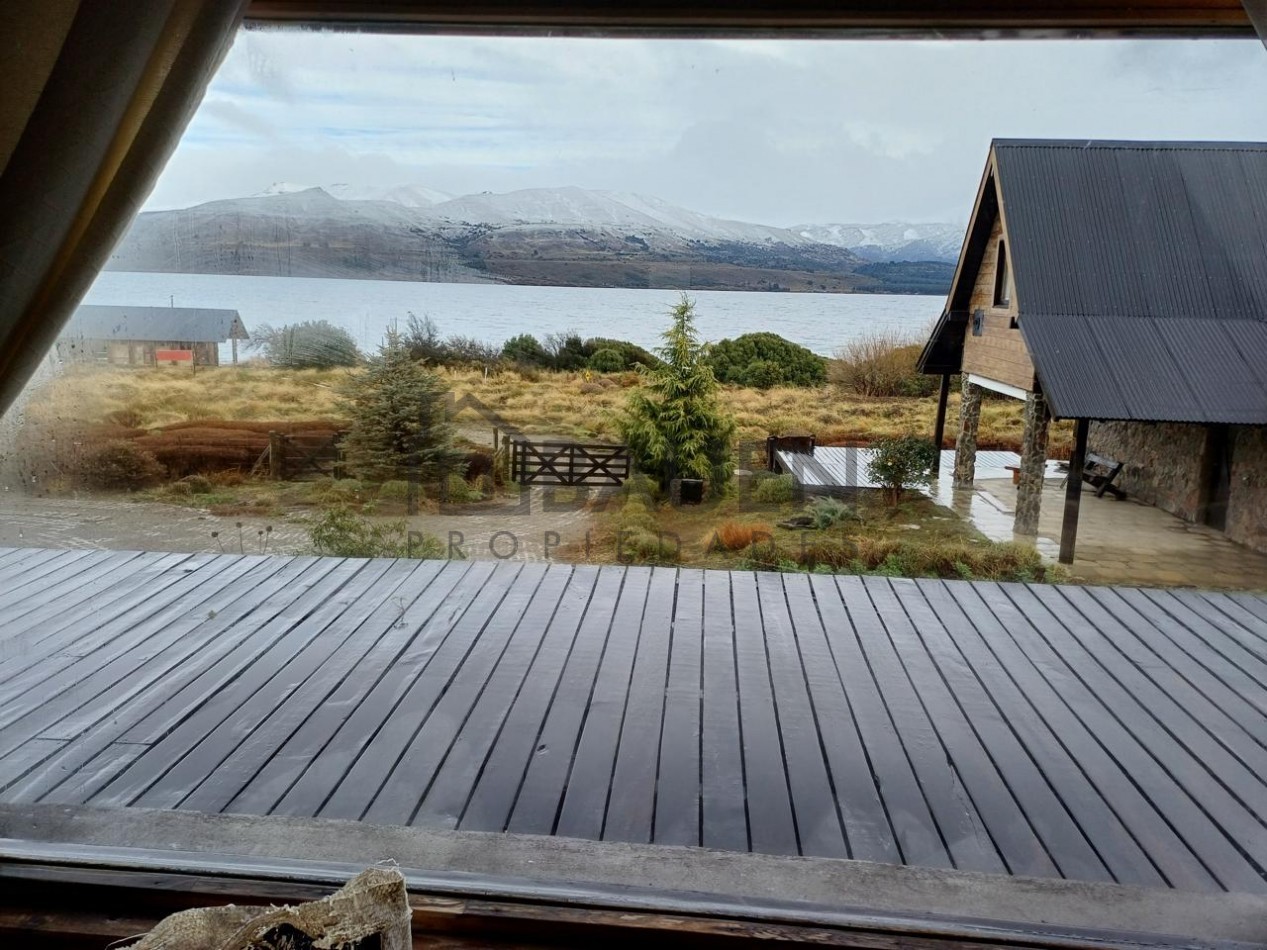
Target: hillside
{"points": [[562, 236]]}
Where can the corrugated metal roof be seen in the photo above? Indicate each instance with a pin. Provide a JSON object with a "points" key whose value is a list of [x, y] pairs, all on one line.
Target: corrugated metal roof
{"points": [[162, 324], [1141, 276]]}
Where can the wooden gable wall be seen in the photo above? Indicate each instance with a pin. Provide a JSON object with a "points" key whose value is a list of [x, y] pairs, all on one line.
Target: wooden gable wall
{"points": [[999, 353]]}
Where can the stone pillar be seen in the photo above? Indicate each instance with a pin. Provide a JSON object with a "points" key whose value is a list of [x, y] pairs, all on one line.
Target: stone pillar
{"points": [[966, 444], [1029, 491]]}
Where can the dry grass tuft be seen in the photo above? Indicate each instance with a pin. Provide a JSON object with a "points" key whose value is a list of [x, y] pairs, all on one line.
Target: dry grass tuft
{"points": [[735, 535]]}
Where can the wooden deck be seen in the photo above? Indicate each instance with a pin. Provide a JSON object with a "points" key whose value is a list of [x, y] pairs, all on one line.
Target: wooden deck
{"points": [[1089, 733]]}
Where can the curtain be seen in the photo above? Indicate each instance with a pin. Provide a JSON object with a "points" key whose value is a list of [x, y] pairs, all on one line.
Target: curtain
{"points": [[94, 95]]}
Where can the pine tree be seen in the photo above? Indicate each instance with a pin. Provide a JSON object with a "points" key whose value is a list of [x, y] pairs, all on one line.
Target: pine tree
{"points": [[399, 428], [674, 425]]}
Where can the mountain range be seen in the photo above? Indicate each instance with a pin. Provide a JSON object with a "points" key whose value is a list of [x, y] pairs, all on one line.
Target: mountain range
{"points": [[567, 235]]}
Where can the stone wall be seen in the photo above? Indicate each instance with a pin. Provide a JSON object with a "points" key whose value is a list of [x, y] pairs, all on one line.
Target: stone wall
{"points": [[1166, 464], [1247, 510]]}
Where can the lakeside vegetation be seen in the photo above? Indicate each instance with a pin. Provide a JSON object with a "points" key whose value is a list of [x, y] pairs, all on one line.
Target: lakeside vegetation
{"points": [[199, 438]]}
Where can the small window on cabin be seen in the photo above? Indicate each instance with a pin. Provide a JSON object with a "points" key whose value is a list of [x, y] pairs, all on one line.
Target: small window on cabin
{"points": [[1002, 281]]}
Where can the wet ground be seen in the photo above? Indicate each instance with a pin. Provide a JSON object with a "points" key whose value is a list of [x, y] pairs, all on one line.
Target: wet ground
{"points": [[530, 526]]}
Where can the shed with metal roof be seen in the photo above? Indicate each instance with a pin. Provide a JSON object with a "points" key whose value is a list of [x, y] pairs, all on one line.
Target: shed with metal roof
{"points": [[149, 335]]}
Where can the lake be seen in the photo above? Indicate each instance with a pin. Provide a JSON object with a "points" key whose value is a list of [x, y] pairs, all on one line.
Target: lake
{"points": [[496, 312]]}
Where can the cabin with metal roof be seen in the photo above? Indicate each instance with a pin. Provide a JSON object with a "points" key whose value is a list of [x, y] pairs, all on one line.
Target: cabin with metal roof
{"points": [[1122, 285], [150, 336]]}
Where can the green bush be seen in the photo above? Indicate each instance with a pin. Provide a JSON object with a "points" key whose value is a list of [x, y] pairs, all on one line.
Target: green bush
{"points": [[396, 490], [762, 360], [525, 350], [197, 484], [899, 463], [341, 533], [312, 344], [117, 464], [607, 360], [630, 355], [775, 491], [828, 512], [458, 491]]}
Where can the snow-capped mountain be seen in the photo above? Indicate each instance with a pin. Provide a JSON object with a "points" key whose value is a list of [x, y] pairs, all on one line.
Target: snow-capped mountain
{"points": [[409, 195], [609, 209], [890, 241], [562, 236]]}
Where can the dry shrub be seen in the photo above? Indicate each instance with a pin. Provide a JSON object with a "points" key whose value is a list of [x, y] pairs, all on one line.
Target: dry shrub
{"points": [[882, 364], [118, 464], [735, 535], [590, 389]]}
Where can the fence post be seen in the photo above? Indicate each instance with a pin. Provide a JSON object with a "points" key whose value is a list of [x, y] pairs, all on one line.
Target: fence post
{"points": [[276, 457]]}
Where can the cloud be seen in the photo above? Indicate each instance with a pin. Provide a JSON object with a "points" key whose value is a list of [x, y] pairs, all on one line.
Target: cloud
{"points": [[774, 131]]}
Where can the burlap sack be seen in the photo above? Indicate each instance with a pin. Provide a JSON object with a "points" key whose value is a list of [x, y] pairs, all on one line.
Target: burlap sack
{"points": [[371, 910]]}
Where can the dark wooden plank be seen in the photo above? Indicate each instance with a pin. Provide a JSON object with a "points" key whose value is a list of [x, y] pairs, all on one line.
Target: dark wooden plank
{"points": [[585, 799], [724, 806], [631, 804], [521, 738], [678, 783], [927, 644], [376, 732], [868, 831], [1010, 827], [304, 684], [1044, 689], [285, 633], [771, 822], [31, 754], [1231, 616], [1214, 779], [87, 779], [69, 624], [186, 635], [527, 669], [1255, 604], [1196, 635], [98, 644], [182, 687], [23, 577], [979, 678], [958, 818], [97, 684], [530, 602], [230, 722], [818, 822], [396, 650], [1209, 675], [1236, 757], [540, 797], [915, 831], [377, 781], [31, 619], [1023, 617]]}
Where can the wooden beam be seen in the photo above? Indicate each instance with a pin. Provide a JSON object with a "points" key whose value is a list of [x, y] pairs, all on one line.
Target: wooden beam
{"points": [[868, 18], [939, 430], [1073, 491]]}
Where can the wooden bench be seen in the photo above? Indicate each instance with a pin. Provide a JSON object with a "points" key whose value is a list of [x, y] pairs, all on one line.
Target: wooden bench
{"points": [[1100, 472]]}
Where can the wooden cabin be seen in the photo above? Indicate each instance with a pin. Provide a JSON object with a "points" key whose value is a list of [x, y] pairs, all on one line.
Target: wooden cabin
{"points": [[150, 336], [1124, 285]]}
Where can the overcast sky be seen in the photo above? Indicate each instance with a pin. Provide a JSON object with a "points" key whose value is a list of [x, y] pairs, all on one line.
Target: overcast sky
{"points": [[779, 132]]}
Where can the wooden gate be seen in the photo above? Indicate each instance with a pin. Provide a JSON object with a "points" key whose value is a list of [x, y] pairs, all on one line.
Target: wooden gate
{"points": [[568, 463], [292, 456]]}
